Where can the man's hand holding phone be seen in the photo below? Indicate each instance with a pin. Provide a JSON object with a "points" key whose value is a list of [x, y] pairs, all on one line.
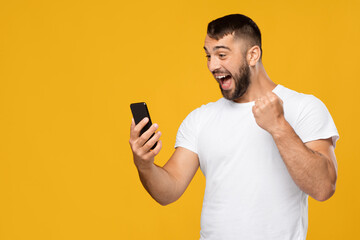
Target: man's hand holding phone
{"points": [[141, 144]]}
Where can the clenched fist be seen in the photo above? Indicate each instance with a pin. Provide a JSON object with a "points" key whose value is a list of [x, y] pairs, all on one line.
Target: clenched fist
{"points": [[269, 112]]}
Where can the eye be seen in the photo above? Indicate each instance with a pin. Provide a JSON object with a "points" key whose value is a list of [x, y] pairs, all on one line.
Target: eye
{"points": [[222, 55], [207, 56]]}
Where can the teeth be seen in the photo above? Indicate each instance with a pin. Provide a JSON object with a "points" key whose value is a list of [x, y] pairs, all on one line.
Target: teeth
{"points": [[220, 77]]}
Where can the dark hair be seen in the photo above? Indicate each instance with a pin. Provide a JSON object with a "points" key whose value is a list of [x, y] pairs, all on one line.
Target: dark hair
{"points": [[239, 25]]}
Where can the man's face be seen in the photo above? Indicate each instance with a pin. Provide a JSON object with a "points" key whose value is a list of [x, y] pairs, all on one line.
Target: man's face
{"points": [[228, 65]]}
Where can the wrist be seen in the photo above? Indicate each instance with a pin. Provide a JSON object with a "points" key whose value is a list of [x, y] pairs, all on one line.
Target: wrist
{"points": [[144, 166], [281, 129]]}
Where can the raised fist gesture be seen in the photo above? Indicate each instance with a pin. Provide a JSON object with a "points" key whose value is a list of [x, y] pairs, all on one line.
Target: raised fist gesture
{"points": [[269, 112]]}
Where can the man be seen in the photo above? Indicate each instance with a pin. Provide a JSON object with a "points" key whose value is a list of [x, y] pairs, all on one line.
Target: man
{"points": [[263, 148]]}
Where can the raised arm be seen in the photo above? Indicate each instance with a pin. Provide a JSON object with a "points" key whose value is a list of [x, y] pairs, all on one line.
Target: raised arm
{"points": [[165, 184], [312, 165]]}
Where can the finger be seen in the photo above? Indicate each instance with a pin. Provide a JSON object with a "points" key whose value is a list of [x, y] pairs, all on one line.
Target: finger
{"points": [[281, 101], [272, 96], [155, 151], [149, 144], [132, 124], [147, 134], [258, 102], [276, 98], [279, 98], [132, 129], [265, 99], [135, 133], [254, 109], [262, 103]]}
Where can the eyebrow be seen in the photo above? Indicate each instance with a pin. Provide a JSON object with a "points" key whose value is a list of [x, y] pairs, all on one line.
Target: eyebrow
{"points": [[219, 47]]}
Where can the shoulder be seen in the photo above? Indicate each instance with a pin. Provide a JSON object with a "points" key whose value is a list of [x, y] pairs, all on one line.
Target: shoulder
{"points": [[193, 123], [300, 106], [310, 117], [297, 99]]}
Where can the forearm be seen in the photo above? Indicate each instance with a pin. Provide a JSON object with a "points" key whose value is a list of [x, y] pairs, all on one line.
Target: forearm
{"points": [[310, 170], [159, 184]]}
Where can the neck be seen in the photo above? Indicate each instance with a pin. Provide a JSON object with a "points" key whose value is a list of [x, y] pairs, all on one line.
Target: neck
{"points": [[260, 84]]}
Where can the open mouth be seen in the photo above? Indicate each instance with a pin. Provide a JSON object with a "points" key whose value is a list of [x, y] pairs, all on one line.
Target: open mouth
{"points": [[224, 80]]}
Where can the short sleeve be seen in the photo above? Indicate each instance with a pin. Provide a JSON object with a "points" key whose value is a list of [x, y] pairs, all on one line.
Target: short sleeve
{"points": [[187, 134], [315, 122]]}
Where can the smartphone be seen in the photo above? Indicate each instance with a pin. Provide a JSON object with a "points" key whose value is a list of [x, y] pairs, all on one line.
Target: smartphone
{"points": [[140, 111]]}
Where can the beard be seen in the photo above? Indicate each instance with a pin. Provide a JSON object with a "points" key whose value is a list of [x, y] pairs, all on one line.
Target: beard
{"points": [[242, 82]]}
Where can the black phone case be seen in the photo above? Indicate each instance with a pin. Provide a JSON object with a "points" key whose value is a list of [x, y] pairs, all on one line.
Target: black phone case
{"points": [[140, 111]]}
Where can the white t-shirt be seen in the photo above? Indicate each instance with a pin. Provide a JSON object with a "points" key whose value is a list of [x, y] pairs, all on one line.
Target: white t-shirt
{"points": [[249, 193]]}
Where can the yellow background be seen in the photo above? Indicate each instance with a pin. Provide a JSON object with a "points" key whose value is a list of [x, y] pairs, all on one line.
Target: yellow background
{"points": [[70, 69]]}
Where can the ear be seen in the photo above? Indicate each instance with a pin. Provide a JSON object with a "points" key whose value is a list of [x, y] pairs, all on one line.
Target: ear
{"points": [[253, 55]]}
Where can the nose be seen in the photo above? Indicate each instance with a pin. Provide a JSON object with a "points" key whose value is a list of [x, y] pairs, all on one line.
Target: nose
{"points": [[213, 64]]}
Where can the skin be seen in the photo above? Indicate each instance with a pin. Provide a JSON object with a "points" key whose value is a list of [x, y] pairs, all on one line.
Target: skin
{"points": [[165, 184], [312, 165]]}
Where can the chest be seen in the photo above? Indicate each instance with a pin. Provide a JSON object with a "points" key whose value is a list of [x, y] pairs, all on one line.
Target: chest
{"points": [[231, 140]]}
